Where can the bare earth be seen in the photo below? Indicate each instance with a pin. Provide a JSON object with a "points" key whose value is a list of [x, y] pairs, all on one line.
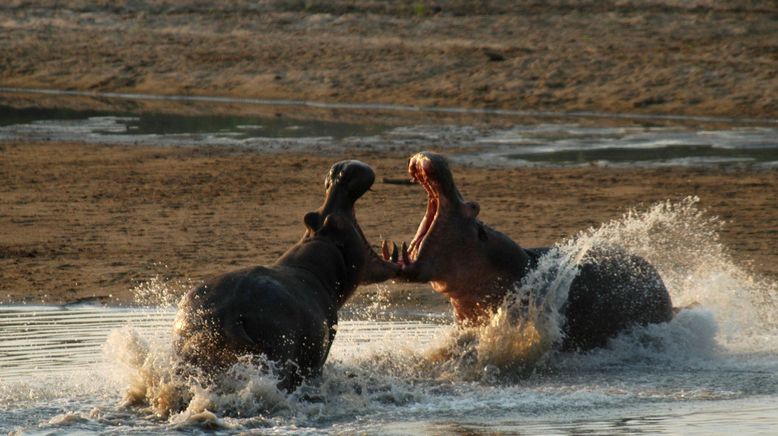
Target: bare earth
{"points": [[682, 57], [82, 221]]}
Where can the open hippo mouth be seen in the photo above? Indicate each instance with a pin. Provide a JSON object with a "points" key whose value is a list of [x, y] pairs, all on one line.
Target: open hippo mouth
{"points": [[424, 169], [420, 170], [432, 172], [346, 182]]}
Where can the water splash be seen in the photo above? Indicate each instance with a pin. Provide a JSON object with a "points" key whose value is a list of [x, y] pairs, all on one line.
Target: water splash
{"points": [[160, 291], [395, 371], [682, 242], [246, 395], [403, 372]]}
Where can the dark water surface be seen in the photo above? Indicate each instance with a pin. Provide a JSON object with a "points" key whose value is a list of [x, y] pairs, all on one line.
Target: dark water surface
{"points": [[558, 143], [141, 124]]}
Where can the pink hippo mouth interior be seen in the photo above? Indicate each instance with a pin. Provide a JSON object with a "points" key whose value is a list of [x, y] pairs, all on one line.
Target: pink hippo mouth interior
{"points": [[419, 169], [431, 172]]}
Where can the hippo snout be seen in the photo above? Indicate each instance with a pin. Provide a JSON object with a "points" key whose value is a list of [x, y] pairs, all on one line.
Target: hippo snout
{"points": [[353, 177]]}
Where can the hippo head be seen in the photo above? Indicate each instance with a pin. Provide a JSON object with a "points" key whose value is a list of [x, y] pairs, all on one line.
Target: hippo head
{"points": [[461, 256], [450, 232], [335, 222], [346, 182]]}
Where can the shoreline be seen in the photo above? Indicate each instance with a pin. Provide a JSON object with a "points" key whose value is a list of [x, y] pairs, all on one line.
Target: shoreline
{"points": [[168, 100], [89, 221]]}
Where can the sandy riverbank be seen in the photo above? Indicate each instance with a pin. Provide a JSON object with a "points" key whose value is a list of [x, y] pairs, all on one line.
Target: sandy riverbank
{"points": [[670, 56], [80, 221]]}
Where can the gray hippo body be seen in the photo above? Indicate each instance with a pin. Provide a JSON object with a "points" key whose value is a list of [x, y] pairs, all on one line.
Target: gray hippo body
{"points": [[287, 311], [612, 292]]}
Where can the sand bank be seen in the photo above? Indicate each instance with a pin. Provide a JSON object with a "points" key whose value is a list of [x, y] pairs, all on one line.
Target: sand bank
{"points": [[80, 221]]}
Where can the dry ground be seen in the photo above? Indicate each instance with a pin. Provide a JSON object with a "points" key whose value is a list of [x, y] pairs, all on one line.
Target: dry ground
{"points": [[670, 56]]}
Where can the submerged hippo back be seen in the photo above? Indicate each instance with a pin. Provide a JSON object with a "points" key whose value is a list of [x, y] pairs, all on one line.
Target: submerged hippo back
{"points": [[613, 291]]}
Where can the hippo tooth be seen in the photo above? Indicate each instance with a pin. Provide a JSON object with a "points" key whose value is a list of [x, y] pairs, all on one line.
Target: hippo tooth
{"points": [[385, 249], [394, 252]]}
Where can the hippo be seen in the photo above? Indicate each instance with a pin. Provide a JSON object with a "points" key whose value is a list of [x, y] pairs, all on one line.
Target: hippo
{"points": [[287, 311], [476, 266]]}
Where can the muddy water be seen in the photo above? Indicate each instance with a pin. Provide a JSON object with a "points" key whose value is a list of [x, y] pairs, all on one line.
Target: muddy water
{"points": [[712, 370], [559, 143], [59, 375]]}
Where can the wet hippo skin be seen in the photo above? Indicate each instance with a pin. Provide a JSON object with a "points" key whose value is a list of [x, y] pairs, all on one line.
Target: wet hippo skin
{"points": [[477, 266], [287, 311]]}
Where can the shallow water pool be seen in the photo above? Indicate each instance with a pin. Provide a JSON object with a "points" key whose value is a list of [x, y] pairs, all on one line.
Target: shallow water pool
{"points": [[557, 143], [407, 370], [65, 370]]}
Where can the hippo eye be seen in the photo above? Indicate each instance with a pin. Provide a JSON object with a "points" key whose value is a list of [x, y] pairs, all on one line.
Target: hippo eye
{"points": [[471, 209], [482, 233]]}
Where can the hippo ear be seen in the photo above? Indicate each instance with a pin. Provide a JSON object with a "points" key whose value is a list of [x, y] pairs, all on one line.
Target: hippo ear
{"points": [[312, 221], [473, 208], [333, 222]]}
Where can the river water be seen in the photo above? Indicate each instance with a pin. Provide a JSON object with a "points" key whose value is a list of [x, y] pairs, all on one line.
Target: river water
{"points": [[712, 370], [559, 143]]}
